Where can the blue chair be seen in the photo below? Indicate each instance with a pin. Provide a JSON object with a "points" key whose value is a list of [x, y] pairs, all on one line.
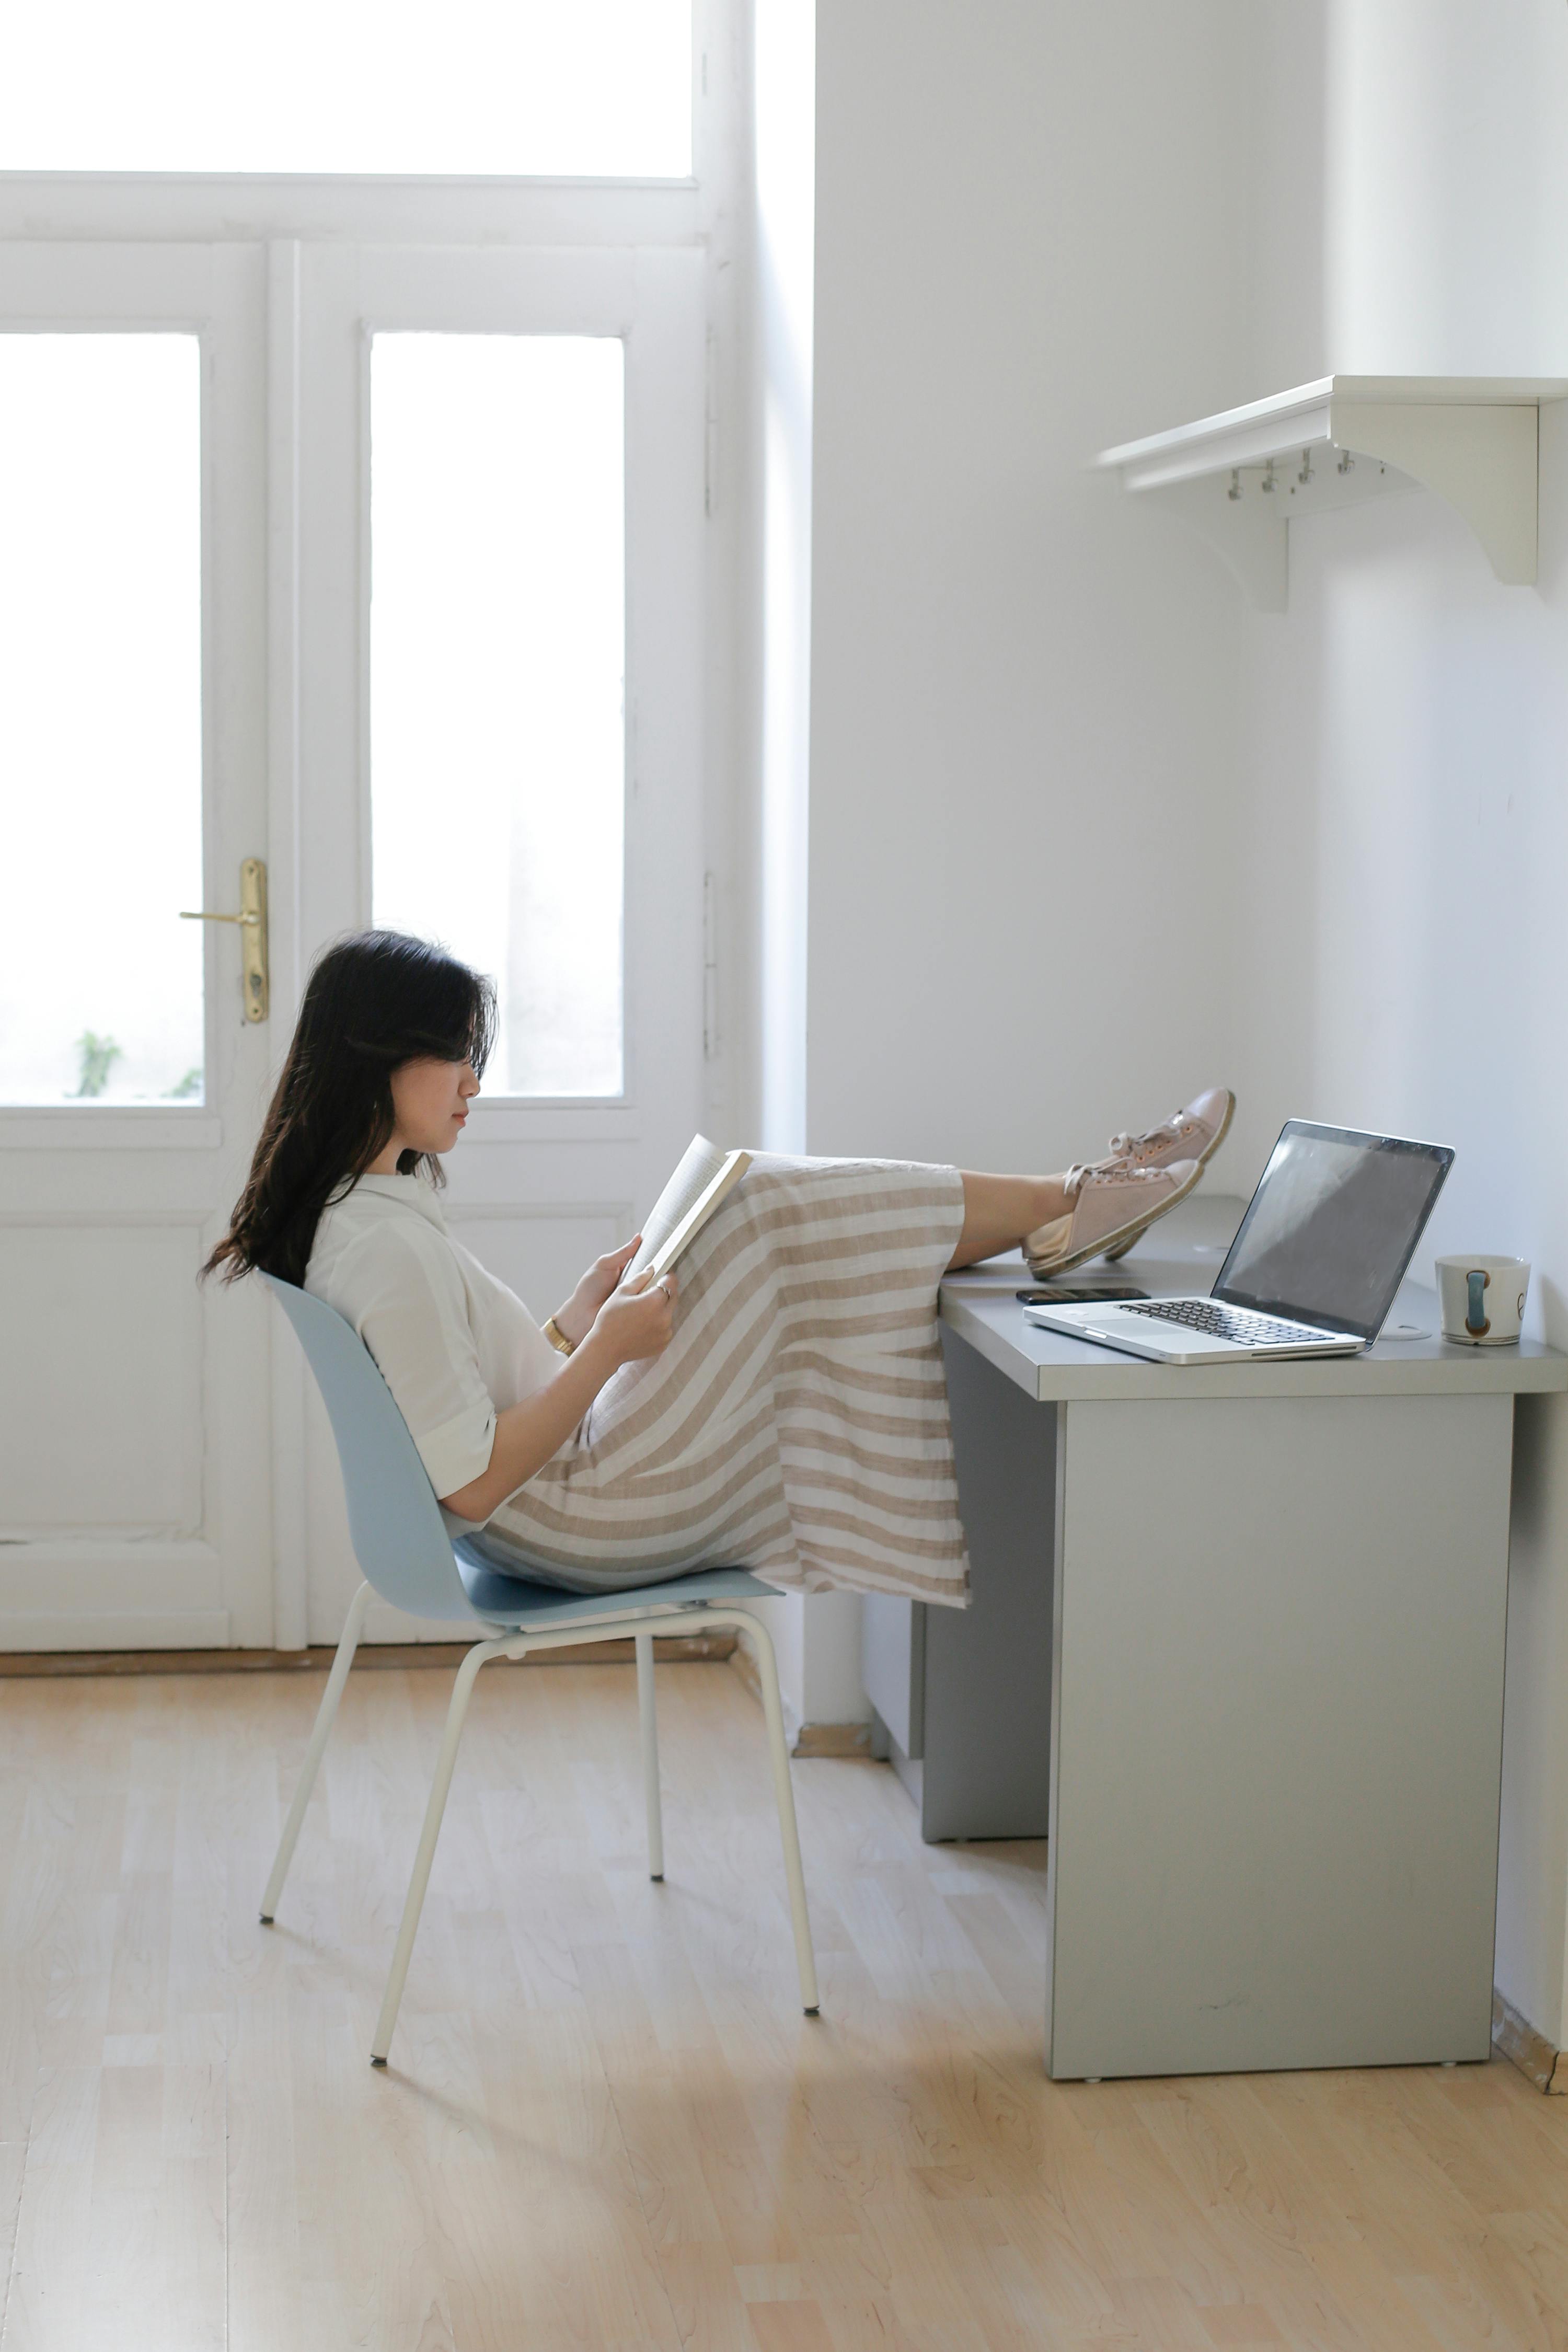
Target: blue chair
{"points": [[402, 1545]]}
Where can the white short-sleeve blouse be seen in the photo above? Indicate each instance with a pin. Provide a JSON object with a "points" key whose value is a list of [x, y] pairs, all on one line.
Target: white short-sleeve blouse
{"points": [[455, 1346]]}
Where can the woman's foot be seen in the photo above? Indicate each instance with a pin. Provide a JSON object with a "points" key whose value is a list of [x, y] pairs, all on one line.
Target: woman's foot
{"points": [[1194, 1132], [1111, 1205]]}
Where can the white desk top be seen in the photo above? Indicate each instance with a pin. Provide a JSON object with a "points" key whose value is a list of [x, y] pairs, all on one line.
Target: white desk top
{"points": [[1182, 1252]]}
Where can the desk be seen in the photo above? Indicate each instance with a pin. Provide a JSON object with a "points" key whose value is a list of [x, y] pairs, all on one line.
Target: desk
{"points": [[1268, 1696]]}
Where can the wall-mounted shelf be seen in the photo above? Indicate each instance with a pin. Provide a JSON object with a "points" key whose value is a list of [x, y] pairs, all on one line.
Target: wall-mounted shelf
{"points": [[1240, 477]]}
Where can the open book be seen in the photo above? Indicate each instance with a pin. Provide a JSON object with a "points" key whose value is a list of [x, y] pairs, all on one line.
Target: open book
{"points": [[705, 1177]]}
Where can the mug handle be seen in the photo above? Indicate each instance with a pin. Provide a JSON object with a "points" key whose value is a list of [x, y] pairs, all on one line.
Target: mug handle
{"points": [[1477, 1322]]}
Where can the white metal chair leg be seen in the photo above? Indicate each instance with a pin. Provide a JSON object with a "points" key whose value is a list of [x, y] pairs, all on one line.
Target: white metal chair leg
{"points": [[326, 1715], [648, 1718], [512, 1646], [768, 1675]]}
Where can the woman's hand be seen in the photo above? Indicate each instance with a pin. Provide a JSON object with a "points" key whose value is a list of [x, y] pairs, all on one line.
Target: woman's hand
{"points": [[575, 1319], [636, 1320]]}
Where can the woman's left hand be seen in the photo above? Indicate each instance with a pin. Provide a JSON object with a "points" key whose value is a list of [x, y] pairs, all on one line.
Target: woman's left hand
{"points": [[575, 1319]]}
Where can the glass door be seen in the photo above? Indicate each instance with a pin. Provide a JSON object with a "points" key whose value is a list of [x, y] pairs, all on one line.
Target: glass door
{"points": [[501, 620], [135, 1466]]}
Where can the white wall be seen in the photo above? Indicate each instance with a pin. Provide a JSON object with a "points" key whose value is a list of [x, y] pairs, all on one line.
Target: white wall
{"points": [[1407, 741], [1011, 696], [1008, 695], [1029, 233]]}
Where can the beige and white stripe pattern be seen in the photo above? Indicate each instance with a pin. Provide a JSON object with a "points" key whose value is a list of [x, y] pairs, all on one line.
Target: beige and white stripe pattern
{"points": [[797, 1422]]}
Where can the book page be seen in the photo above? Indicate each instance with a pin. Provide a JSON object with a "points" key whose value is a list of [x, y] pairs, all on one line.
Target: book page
{"points": [[699, 1163], [707, 1203]]}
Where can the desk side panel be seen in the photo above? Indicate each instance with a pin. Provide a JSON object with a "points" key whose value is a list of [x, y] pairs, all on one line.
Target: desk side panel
{"points": [[987, 1716], [892, 1665], [1281, 1641]]}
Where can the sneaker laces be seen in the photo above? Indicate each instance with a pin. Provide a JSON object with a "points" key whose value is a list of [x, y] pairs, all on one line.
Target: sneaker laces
{"points": [[1082, 1171], [1169, 1130]]}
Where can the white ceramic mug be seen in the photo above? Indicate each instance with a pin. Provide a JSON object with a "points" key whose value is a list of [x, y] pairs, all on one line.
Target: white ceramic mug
{"points": [[1482, 1298]]}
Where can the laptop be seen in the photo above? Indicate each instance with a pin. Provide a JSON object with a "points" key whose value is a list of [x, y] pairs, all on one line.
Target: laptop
{"points": [[1313, 1271]]}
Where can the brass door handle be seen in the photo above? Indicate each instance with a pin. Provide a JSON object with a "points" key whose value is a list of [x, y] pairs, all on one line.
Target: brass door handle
{"points": [[252, 918]]}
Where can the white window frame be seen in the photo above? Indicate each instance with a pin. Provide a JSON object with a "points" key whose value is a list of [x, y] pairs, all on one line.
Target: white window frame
{"points": [[709, 212]]}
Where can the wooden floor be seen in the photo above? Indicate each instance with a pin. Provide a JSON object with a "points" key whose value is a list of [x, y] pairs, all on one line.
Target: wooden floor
{"points": [[606, 2125]]}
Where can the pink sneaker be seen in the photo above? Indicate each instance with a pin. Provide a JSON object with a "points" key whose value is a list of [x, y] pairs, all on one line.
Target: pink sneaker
{"points": [[1194, 1132], [1112, 1204]]}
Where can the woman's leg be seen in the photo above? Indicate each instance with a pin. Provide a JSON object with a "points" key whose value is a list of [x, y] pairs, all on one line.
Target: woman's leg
{"points": [[998, 1211], [806, 1317]]}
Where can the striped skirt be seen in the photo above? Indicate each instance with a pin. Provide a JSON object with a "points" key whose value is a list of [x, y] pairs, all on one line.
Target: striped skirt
{"points": [[797, 1424]]}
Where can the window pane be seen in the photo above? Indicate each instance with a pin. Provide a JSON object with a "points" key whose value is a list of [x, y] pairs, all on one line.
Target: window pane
{"points": [[476, 87], [100, 720], [497, 671]]}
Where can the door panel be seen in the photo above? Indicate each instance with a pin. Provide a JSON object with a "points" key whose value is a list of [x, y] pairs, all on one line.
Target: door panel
{"points": [[115, 1347], [540, 1184], [133, 1423], [153, 1434]]}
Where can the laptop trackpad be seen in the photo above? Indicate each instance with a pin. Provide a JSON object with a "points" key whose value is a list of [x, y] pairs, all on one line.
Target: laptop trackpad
{"points": [[1146, 1330]]}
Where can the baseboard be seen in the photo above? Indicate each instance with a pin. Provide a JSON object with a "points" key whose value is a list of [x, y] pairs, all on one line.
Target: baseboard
{"points": [[1531, 2052], [370, 1654], [841, 1740], [844, 1739]]}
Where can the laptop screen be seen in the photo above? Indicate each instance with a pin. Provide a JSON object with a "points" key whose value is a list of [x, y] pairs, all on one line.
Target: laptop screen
{"points": [[1332, 1226]]}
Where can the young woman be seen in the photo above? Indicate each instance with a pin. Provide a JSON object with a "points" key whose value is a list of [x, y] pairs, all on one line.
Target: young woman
{"points": [[780, 1405]]}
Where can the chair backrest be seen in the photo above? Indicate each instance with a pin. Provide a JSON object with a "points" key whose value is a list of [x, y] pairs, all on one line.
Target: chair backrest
{"points": [[400, 1538]]}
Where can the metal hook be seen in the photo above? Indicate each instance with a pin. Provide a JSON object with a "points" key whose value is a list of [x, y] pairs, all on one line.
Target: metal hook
{"points": [[1346, 462], [1267, 481], [1234, 490], [1306, 473]]}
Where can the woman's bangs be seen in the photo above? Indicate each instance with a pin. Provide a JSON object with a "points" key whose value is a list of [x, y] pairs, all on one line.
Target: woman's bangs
{"points": [[472, 1034], [481, 1027]]}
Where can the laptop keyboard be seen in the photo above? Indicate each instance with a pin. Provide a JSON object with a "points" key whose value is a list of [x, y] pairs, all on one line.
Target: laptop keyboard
{"points": [[1206, 1314]]}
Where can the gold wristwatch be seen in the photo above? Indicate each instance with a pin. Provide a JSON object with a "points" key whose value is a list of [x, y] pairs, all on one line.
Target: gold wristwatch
{"points": [[557, 1337]]}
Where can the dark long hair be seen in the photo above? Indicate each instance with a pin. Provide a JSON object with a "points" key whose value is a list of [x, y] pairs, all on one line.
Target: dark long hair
{"points": [[375, 1000]]}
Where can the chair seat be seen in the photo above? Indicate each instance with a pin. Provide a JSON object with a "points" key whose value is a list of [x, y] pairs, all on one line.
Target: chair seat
{"points": [[516, 1602]]}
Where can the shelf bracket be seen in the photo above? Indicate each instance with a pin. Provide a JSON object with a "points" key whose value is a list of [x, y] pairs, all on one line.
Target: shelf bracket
{"points": [[1482, 460]]}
